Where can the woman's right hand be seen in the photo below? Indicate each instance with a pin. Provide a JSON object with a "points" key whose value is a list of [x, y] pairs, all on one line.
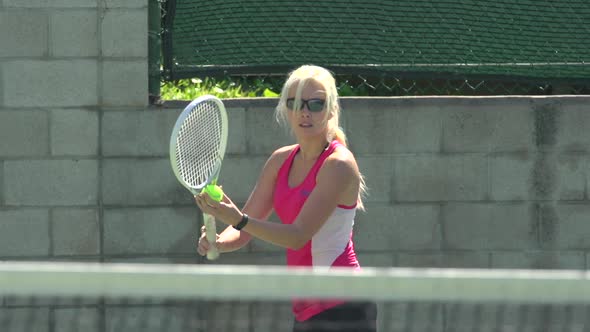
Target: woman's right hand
{"points": [[204, 245]]}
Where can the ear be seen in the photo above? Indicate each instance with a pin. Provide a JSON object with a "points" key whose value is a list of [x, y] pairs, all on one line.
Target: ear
{"points": [[326, 120]]}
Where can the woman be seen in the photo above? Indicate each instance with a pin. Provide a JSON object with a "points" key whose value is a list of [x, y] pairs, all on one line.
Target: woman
{"points": [[315, 188]]}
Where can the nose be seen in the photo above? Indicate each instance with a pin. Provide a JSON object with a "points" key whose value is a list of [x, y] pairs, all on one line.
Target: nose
{"points": [[305, 112], [305, 106]]}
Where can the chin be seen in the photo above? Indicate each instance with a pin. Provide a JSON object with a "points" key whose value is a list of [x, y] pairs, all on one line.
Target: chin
{"points": [[310, 134]]}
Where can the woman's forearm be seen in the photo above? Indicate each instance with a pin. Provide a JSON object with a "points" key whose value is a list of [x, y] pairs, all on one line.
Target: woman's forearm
{"points": [[283, 235], [231, 240]]}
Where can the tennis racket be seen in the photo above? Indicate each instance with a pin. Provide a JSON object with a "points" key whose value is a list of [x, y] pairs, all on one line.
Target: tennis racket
{"points": [[197, 147]]}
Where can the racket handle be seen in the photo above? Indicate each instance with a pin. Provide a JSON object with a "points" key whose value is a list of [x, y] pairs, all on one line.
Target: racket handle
{"points": [[211, 234]]}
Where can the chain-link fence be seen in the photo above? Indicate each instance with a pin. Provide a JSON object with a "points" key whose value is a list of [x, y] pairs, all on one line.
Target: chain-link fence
{"points": [[419, 47]]}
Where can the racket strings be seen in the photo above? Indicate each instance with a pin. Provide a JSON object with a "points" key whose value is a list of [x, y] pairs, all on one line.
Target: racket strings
{"points": [[198, 146]]}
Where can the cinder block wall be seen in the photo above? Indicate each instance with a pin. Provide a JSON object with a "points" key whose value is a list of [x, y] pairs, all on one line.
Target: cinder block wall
{"points": [[63, 66], [84, 172], [497, 182]]}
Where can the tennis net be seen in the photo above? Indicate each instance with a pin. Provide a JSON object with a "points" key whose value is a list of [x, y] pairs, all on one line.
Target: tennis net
{"points": [[56, 297]]}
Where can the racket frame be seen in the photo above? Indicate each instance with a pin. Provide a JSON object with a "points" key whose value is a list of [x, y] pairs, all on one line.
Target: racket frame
{"points": [[208, 220]]}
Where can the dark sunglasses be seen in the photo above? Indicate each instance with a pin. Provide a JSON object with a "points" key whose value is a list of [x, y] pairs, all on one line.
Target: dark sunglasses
{"points": [[313, 105]]}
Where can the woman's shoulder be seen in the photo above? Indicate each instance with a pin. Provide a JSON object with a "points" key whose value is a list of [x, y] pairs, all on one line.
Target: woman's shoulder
{"points": [[278, 157], [341, 154], [341, 161], [284, 150]]}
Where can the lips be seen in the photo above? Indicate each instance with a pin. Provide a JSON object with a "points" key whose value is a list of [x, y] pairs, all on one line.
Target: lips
{"points": [[305, 125]]}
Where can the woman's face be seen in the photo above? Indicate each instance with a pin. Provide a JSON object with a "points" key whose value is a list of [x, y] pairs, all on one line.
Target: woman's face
{"points": [[310, 119]]}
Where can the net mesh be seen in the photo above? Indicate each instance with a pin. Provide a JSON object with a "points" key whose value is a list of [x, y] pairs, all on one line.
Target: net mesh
{"points": [[135, 297], [199, 144], [476, 38]]}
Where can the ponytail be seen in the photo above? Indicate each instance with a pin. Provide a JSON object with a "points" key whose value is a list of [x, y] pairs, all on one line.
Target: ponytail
{"points": [[339, 136]]}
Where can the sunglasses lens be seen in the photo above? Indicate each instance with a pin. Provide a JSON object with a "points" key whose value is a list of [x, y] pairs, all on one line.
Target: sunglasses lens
{"points": [[316, 105], [290, 103], [313, 105]]}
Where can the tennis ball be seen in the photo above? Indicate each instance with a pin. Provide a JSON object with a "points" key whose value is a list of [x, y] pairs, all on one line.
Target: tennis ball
{"points": [[214, 191]]}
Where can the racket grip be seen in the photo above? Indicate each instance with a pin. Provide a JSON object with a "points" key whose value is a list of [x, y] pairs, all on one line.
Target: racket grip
{"points": [[211, 234]]}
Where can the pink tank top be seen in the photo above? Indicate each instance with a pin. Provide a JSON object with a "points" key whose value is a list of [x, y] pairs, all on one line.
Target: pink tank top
{"points": [[331, 245]]}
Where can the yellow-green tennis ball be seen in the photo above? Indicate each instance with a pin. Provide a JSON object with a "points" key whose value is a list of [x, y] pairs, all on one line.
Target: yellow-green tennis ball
{"points": [[214, 191]]}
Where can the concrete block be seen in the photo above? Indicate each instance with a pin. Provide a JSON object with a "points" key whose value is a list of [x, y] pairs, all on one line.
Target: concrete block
{"points": [[23, 33], [24, 233], [564, 226], [257, 245], [2, 65], [126, 3], [216, 316], [572, 174], [21, 318], [124, 33], [422, 178], [81, 318], [81, 41], [493, 316], [137, 133], [544, 180], [444, 259], [375, 259], [409, 128], [56, 83], [1, 183], [375, 229], [546, 122], [482, 226], [260, 246], [571, 126], [75, 232], [510, 176], [411, 227], [74, 132], [236, 139], [488, 126], [515, 317], [272, 316], [538, 176], [24, 133], [242, 257], [51, 3], [379, 174], [239, 175], [133, 231], [190, 259], [153, 317], [417, 226], [264, 135], [50, 182], [125, 83], [141, 182], [566, 260], [400, 316]]}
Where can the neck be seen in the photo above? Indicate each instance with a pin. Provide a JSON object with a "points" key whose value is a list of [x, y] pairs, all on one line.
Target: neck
{"points": [[311, 150]]}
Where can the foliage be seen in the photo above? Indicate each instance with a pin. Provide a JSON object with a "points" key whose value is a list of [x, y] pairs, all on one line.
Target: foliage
{"points": [[241, 87], [188, 89], [348, 85]]}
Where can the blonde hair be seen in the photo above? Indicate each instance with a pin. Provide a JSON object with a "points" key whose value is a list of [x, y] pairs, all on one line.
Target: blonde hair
{"points": [[299, 78]]}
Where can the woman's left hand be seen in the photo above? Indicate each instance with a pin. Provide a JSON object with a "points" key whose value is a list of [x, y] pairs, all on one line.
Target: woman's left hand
{"points": [[225, 211]]}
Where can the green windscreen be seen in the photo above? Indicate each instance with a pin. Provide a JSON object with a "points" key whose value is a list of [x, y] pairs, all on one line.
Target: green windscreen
{"points": [[527, 39]]}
